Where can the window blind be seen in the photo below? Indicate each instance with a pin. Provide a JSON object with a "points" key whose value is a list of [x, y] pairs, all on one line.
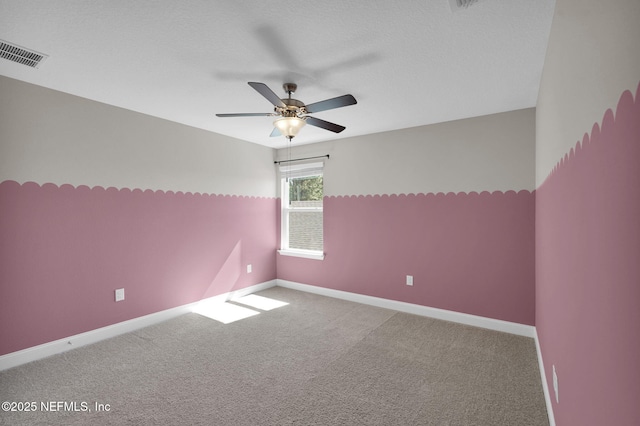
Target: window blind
{"points": [[301, 170]]}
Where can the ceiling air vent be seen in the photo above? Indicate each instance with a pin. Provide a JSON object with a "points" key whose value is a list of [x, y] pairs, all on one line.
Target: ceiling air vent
{"points": [[461, 4], [21, 55]]}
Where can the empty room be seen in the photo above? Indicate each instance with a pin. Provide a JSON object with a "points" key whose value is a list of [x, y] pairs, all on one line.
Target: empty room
{"points": [[330, 213]]}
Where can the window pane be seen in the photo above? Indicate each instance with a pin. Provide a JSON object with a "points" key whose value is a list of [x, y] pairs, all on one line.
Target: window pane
{"points": [[305, 189], [305, 230]]}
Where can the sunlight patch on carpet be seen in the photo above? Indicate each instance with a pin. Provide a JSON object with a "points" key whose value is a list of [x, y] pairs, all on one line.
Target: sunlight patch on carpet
{"points": [[226, 313], [260, 302]]}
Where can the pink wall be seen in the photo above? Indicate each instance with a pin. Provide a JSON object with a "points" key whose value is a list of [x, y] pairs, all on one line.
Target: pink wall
{"points": [[588, 273], [471, 253], [64, 250]]}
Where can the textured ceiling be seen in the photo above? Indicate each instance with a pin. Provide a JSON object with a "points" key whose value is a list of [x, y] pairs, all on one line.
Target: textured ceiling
{"points": [[408, 63]]}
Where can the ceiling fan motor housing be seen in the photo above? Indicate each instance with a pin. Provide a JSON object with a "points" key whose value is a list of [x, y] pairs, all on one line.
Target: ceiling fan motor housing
{"points": [[293, 108]]}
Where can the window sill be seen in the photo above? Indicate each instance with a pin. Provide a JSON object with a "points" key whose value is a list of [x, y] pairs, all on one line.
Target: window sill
{"points": [[307, 254]]}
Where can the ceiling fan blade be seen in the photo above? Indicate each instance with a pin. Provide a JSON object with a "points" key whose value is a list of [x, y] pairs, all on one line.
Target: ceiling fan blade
{"points": [[247, 114], [336, 128], [264, 90], [340, 101], [275, 133]]}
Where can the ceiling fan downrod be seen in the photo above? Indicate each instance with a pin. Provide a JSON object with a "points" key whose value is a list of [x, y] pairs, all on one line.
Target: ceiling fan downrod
{"points": [[290, 88]]}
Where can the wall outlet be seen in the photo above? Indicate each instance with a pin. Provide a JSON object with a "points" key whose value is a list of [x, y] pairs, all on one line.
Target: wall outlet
{"points": [[555, 384], [409, 279], [119, 294], [249, 269]]}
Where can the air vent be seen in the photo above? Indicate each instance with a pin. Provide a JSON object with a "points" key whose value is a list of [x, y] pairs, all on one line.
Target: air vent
{"points": [[461, 4], [21, 55]]}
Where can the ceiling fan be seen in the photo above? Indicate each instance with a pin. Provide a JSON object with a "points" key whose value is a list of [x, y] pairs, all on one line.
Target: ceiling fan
{"points": [[293, 113]]}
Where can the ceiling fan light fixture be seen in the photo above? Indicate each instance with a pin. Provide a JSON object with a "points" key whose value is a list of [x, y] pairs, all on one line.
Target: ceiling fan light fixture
{"points": [[289, 126]]}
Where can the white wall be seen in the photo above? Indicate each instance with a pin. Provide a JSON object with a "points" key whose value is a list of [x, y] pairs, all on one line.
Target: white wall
{"points": [[50, 136], [489, 153], [591, 59]]}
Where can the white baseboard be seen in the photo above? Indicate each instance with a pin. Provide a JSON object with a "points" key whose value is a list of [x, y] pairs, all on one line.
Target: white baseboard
{"points": [[72, 342], [545, 386], [459, 317]]}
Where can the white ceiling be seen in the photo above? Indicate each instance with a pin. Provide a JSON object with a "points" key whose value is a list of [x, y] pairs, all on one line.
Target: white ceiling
{"points": [[408, 63]]}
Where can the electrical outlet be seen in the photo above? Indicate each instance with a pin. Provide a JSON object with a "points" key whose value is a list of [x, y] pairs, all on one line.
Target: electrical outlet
{"points": [[555, 384], [409, 279], [249, 269], [119, 294]]}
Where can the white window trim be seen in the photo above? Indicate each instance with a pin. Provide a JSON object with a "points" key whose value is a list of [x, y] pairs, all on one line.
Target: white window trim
{"points": [[307, 254], [296, 171]]}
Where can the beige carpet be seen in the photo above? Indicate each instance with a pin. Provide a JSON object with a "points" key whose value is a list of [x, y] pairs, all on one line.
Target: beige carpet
{"points": [[315, 361]]}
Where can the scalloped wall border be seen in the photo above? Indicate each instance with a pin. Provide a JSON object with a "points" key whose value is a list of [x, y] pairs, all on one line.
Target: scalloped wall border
{"points": [[134, 190], [609, 120], [203, 194], [435, 194]]}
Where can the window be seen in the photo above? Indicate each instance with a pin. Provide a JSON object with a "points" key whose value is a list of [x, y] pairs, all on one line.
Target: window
{"points": [[302, 215]]}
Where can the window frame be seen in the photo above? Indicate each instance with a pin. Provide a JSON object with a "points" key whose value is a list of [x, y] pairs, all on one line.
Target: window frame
{"points": [[296, 172]]}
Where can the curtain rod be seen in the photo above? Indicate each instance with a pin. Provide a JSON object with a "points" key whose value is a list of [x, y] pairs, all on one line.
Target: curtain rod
{"points": [[300, 159]]}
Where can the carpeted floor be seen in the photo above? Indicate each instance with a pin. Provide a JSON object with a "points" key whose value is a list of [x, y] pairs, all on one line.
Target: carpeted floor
{"points": [[315, 361]]}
